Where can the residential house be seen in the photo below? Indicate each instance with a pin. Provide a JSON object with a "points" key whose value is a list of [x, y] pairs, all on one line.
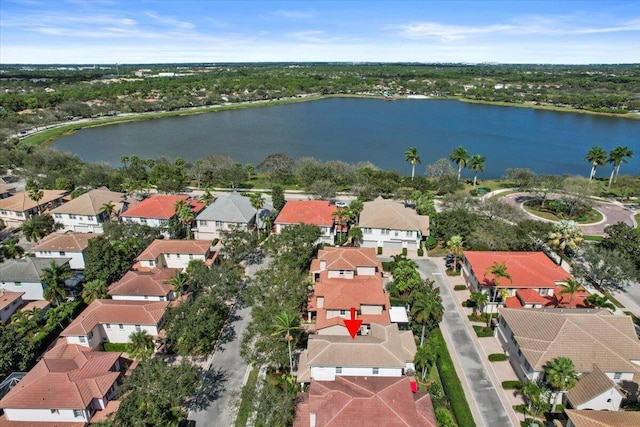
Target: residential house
{"points": [[24, 275], [533, 337], [66, 388], [149, 285], [364, 401], [72, 246], [157, 210], [16, 209], [314, 212], [385, 352], [7, 190], [226, 212], [585, 418], [346, 263], [10, 302], [392, 225], [176, 253], [108, 320], [86, 214], [536, 281], [594, 391]]}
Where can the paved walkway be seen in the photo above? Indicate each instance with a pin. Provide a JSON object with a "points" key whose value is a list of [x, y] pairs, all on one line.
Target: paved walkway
{"points": [[489, 403]]}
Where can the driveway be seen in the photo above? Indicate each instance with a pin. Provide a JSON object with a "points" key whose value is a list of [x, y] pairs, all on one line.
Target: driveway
{"points": [[485, 403], [612, 213], [217, 403]]}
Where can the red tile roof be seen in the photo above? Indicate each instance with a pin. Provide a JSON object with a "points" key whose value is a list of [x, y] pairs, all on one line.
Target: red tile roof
{"points": [[65, 383], [364, 402], [346, 259], [342, 294], [152, 283], [7, 298], [116, 311], [162, 246], [316, 212], [527, 269], [161, 207]]}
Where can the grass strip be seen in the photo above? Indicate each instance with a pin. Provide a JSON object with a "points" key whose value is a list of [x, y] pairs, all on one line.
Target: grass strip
{"points": [[246, 396], [451, 384]]}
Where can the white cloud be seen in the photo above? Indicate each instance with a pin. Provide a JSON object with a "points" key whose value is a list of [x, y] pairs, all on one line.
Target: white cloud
{"points": [[171, 21], [295, 14]]}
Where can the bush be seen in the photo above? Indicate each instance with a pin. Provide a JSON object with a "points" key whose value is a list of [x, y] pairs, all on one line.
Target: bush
{"points": [[404, 251], [379, 250], [215, 241], [483, 331], [467, 303], [451, 383], [473, 192], [511, 385], [559, 408], [460, 288], [420, 251], [431, 242], [444, 418], [116, 346], [497, 357]]}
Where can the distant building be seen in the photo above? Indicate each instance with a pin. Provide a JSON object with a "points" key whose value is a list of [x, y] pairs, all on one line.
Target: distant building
{"points": [[176, 253], [85, 213], [313, 212], [233, 210], [18, 208]]}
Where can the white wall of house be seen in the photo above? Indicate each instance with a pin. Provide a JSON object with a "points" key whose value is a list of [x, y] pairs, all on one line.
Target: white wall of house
{"points": [[607, 401], [327, 234], [619, 377], [340, 274], [14, 218], [32, 290], [390, 239], [169, 297], [520, 365], [371, 309], [172, 261], [5, 313], [76, 261], [365, 271], [47, 415], [111, 332], [151, 222], [345, 314], [81, 223], [209, 230], [329, 373]]}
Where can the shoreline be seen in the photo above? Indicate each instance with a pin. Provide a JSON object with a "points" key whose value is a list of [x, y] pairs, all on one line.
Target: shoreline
{"points": [[51, 133]]}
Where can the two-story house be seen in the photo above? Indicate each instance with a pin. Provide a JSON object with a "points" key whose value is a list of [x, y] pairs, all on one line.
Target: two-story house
{"points": [[149, 285], [24, 275], [70, 246], [157, 210], [86, 213], [313, 212], [10, 302], [18, 208], [226, 212], [392, 225], [176, 254]]}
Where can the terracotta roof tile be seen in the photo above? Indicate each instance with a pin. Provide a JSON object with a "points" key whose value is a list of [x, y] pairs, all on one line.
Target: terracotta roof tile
{"points": [[589, 386], [382, 213], [316, 212], [7, 298], [141, 283], [91, 202], [161, 207], [68, 242], [603, 418], [347, 258], [20, 202], [161, 246]]}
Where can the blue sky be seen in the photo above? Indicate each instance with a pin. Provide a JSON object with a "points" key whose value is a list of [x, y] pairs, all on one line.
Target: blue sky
{"points": [[139, 31]]}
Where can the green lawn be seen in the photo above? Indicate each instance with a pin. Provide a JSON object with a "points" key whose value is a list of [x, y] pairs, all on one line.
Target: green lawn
{"points": [[246, 404], [591, 217]]}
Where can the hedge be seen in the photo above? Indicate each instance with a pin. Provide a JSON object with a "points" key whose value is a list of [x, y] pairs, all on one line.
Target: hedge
{"points": [[116, 346], [451, 383], [379, 250], [497, 357], [460, 288], [511, 385], [483, 331]]}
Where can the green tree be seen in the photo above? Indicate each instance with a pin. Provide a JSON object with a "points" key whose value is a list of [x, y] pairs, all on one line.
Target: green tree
{"points": [[257, 202], [596, 156], [617, 156], [570, 287], [238, 243], [459, 156], [355, 207], [537, 397], [53, 278], [476, 164], [566, 236], [340, 216], [606, 267], [499, 271], [185, 215], [480, 300], [624, 239], [180, 282], [38, 226], [207, 198], [426, 357], [426, 307], [108, 260], [600, 301], [295, 245], [110, 209], [36, 195], [561, 374], [93, 290], [277, 197], [455, 245], [140, 345], [355, 235], [411, 156], [283, 325], [405, 274], [11, 248]]}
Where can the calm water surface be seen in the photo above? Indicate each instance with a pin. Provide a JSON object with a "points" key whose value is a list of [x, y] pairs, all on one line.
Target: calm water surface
{"points": [[355, 130]]}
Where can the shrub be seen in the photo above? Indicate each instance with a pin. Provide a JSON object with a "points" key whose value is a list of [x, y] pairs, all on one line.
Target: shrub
{"points": [[559, 408], [467, 303], [444, 418], [511, 385], [473, 192], [116, 346], [497, 357], [430, 243], [379, 250], [215, 241], [460, 288], [483, 331], [420, 251], [404, 251]]}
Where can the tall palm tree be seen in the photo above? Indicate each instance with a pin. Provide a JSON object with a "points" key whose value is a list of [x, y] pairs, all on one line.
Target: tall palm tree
{"points": [[11, 248], [537, 397], [355, 234], [185, 215], [93, 290], [561, 374], [480, 299], [455, 245], [180, 282], [340, 215], [54, 277], [600, 301], [38, 226], [425, 357], [140, 345], [36, 195], [207, 198], [459, 156], [499, 271], [566, 235], [426, 307], [109, 208], [476, 164], [257, 202], [355, 208], [284, 324], [597, 157], [411, 156], [617, 156], [571, 287]]}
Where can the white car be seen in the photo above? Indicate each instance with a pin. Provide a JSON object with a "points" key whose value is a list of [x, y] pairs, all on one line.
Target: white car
{"points": [[341, 204]]}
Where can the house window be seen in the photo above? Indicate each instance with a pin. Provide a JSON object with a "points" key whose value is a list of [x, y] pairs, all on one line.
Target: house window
{"points": [[138, 328], [57, 216], [343, 312], [203, 223], [55, 411], [90, 218], [178, 256], [609, 400], [77, 413], [90, 334], [143, 220], [151, 263], [18, 284], [341, 272], [82, 339], [339, 370], [190, 256], [218, 223], [617, 375], [376, 371], [409, 233], [107, 325], [121, 326], [366, 230], [384, 231], [63, 253], [72, 216]]}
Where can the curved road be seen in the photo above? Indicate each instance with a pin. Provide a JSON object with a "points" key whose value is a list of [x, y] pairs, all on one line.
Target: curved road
{"points": [[612, 213]]}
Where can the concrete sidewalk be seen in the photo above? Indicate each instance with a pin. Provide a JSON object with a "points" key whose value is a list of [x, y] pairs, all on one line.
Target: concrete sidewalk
{"points": [[490, 404]]}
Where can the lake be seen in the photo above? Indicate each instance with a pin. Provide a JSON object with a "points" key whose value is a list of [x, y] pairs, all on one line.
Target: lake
{"points": [[354, 130]]}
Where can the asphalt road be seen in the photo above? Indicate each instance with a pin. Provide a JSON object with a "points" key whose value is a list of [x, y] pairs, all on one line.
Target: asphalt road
{"points": [[482, 391]]}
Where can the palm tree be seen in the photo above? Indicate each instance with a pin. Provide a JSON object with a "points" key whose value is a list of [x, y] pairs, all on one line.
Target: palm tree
{"points": [[499, 271], [455, 246], [207, 198], [480, 299], [411, 156], [180, 282], [617, 156], [561, 374], [355, 234], [355, 208], [600, 301], [426, 307], [597, 157], [11, 248], [109, 208], [565, 235], [36, 195], [284, 324], [140, 345], [257, 202], [38, 226], [54, 277], [341, 214], [93, 290], [476, 164], [459, 156], [537, 397], [571, 287], [185, 215], [425, 357]]}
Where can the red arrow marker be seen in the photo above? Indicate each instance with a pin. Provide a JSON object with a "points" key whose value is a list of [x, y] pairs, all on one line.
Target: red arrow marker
{"points": [[353, 325]]}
